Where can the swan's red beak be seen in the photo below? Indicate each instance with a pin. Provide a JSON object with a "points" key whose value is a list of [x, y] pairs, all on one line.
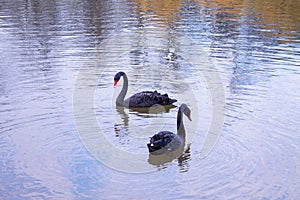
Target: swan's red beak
{"points": [[115, 83], [190, 117]]}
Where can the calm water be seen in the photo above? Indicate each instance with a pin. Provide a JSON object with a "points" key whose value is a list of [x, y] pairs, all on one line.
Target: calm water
{"points": [[61, 136]]}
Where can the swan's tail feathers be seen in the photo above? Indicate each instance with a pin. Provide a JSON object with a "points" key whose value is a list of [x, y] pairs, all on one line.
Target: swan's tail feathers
{"points": [[168, 101], [173, 101], [165, 99]]}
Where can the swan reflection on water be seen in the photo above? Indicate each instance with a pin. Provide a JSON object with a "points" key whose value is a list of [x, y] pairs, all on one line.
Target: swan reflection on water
{"points": [[180, 154], [155, 109], [143, 112], [147, 113]]}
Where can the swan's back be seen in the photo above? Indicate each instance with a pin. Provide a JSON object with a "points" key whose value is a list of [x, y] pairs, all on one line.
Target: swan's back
{"points": [[164, 141], [148, 99]]}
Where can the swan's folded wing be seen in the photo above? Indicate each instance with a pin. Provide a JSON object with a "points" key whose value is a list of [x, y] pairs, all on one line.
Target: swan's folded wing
{"points": [[148, 99]]}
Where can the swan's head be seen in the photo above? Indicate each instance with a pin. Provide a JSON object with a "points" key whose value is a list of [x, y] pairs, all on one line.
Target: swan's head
{"points": [[117, 77], [186, 110]]}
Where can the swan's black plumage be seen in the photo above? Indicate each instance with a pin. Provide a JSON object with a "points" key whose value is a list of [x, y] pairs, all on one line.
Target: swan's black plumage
{"points": [[166, 141], [160, 140], [142, 99], [149, 98]]}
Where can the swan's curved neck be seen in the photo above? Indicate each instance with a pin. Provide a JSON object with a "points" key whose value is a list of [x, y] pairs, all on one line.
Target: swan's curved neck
{"points": [[180, 126], [121, 96]]}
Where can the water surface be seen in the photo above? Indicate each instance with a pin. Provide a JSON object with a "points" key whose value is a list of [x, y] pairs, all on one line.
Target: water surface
{"points": [[45, 46]]}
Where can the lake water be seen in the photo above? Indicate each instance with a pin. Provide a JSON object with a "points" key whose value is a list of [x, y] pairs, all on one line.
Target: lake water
{"points": [[234, 63]]}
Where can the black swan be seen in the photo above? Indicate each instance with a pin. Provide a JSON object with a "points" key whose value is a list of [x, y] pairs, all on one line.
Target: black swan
{"points": [[142, 99], [166, 141]]}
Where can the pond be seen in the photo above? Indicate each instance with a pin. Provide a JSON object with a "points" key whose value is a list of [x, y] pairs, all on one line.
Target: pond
{"points": [[234, 63]]}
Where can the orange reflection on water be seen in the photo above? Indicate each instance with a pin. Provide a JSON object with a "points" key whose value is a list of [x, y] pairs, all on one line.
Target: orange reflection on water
{"points": [[165, 11], [282, 15]]}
